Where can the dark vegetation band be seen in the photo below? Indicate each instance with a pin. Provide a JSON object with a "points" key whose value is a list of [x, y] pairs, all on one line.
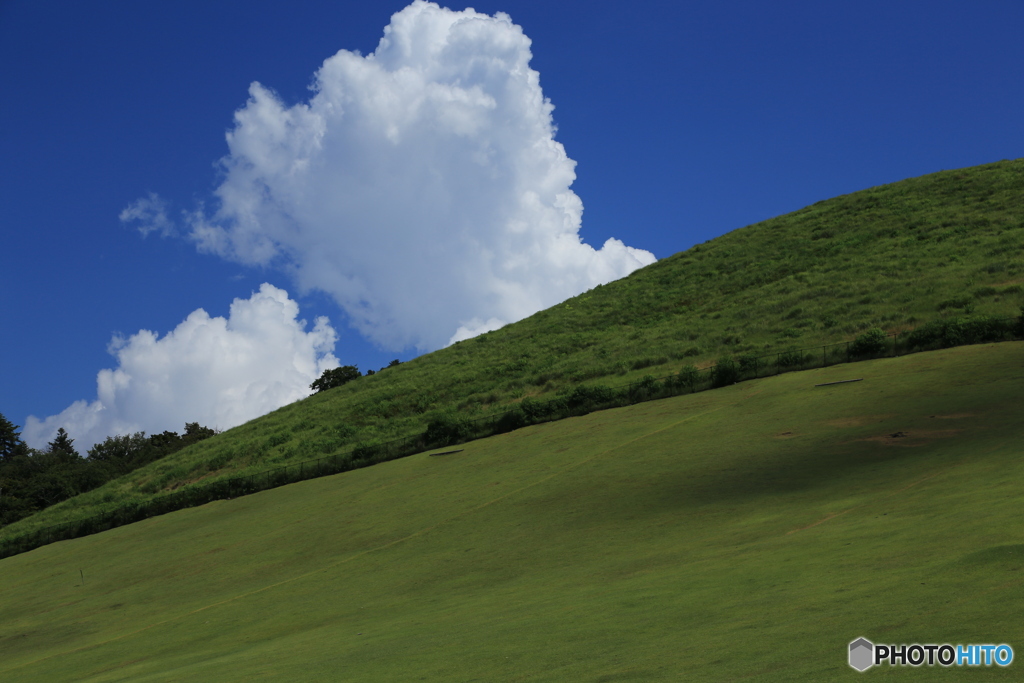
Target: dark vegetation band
{"points": [[449, 429]]}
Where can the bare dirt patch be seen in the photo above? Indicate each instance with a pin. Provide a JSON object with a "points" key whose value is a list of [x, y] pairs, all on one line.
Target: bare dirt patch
{"points": [[785, 435], [954, 416], [912, 437], [859, 421]]}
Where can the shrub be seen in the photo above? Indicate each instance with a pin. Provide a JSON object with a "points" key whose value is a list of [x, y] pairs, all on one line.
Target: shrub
{"points": [[586, 399], [556, 408], [791, 359], [959, 302], [445, 431], [510, 420], [335, 377], [533, 410], [276, 440], [960, 331], [642, 363], [748, 363], [725, 372], [687, 377], [643, 388], [365, 453], [871, 343]]}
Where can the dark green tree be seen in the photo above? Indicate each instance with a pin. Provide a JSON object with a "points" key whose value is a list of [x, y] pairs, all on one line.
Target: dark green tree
{"points": [[335, 378], [10, 440], [56, 475], [63, 443], [196, 432], [121, 449], [31, 480]]}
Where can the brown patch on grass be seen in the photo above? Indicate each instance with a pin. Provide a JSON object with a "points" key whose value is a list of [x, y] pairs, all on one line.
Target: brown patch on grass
{"points": [[859, 421], [785, 435], [954, 416], [913, 437]]}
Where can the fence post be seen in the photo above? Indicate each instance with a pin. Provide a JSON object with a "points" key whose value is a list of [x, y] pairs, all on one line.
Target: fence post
{"points": [[824, 358], [847, 352]]}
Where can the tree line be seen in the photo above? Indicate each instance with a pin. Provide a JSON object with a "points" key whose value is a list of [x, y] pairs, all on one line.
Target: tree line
{"points": [[335, 377], [32, 479]]}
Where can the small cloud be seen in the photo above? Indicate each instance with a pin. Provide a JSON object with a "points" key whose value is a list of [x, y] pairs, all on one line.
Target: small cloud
{"points": [[475, 328], [150, 215], [217, 371]]}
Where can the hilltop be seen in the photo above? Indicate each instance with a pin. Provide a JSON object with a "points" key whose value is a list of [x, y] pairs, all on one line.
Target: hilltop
{"points": [[895, 256]]}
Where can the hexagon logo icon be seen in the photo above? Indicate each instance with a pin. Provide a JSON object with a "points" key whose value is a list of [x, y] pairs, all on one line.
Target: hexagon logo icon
{"points": [[862, 653]]}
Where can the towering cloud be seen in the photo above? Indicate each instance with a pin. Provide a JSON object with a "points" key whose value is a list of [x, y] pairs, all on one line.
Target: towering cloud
{"points": [[421, 185], [216, 371]]}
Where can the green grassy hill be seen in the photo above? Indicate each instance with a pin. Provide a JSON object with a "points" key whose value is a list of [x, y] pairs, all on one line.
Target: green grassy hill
{"points": [[746, 533], [947, 244]]}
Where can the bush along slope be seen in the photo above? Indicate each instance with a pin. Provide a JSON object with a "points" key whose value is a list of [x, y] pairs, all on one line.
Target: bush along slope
{"points": [[945, 251], [450, 429]]}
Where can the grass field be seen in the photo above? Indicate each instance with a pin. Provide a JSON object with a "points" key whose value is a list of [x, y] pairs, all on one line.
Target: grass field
{"points": [[949, 244], [746, 533]]}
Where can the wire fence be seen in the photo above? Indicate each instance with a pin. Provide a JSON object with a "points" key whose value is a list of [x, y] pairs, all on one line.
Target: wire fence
{"points": [[580, 400]]}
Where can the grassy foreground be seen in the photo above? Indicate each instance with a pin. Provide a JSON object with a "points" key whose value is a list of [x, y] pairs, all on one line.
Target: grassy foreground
{"points": [[747, 533]]}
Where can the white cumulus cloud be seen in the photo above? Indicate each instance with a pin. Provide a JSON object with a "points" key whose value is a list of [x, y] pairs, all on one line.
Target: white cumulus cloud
{"points": [[217, 371], [420, 185]]}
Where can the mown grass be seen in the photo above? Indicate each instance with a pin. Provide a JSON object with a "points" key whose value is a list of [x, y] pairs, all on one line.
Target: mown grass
{"points": [[944, 245], [747, 533]]}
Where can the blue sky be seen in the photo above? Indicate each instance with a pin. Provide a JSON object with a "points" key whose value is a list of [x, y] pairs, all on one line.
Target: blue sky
{"points": [[686, 121]]}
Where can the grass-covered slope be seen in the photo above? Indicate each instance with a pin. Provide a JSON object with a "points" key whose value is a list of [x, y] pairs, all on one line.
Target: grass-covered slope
{"points": [[947, 244], [746, 533]]}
